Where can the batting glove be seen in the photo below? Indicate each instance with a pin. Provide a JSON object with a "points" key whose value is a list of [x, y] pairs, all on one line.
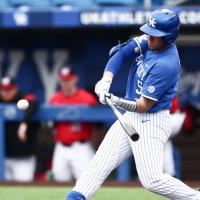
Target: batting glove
{"points": [[104, 95], [121, 103], [103, 85]]}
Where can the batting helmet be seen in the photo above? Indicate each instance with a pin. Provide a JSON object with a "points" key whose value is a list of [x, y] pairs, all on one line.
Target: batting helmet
{"points": [[162, 23]]}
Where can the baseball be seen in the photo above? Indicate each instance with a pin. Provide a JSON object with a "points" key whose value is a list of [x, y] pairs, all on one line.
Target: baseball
{"points": [[22, 104]]}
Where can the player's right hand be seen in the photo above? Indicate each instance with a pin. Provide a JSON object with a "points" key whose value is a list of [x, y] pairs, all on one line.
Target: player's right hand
{"points": [[104, 95], [103, 85]]}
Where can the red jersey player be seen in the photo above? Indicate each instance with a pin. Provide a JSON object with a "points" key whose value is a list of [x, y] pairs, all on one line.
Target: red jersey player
{"points": [[73, 149]]}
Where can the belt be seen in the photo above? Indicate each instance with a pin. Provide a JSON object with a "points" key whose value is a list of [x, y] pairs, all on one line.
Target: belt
{"points": [[68, 145]]}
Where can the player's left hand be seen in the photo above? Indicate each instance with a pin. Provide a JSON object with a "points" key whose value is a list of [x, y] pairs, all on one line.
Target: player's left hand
{"points": [[22, 135], [103, 85]]}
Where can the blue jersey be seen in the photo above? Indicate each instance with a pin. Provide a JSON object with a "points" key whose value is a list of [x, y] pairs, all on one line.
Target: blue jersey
{"points": [[155, 76]]}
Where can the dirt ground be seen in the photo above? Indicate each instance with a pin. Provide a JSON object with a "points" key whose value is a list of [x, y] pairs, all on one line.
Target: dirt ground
{"points": [[195, 184]]}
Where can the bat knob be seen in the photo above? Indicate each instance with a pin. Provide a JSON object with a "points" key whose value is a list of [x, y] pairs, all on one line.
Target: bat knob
{"points": [[135, 137]]}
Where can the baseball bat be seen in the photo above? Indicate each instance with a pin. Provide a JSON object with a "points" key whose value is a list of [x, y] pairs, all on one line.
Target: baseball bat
{"points": [[128, 128]]}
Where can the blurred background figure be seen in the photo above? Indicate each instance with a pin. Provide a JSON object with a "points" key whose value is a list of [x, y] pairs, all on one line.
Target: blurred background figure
{"points": [[178, 119], [72, 149], [20, 137]]}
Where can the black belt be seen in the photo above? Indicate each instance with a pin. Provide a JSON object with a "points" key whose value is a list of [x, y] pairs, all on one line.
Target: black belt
{"points": [[68, 145]]}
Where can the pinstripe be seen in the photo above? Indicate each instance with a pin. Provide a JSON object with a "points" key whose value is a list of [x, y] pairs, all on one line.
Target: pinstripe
{"points": [[114, 149], [148, 154]]}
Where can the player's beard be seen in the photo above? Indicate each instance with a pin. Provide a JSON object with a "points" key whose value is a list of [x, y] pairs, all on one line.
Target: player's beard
{"points": [[156, 43], [152, 46]]}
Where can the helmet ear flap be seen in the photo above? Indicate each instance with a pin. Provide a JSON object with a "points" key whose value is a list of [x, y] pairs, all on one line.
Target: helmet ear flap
{"points": [[168, 39]]}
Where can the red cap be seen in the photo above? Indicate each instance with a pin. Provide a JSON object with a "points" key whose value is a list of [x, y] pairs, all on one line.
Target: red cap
{"points": [[7, 83], [67, 73]]}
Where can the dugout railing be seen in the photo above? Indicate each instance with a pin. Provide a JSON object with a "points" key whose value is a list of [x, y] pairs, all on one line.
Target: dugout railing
{"points": [[10, 112]]}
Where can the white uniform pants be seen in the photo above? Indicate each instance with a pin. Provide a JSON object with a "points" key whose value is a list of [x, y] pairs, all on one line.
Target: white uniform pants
{"points": [[154, 130], [20, 169], [69, 162]]}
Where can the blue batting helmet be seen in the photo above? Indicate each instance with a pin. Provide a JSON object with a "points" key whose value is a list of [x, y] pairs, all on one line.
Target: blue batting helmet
{"points": [[162, 23]]}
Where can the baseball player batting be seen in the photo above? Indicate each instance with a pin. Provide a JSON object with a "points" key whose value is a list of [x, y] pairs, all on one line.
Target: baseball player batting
{"points": [[151, 86]]}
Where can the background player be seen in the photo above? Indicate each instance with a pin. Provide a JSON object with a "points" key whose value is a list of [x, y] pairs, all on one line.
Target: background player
{"points": [[151, 86], [73, 149], [20, 137]]}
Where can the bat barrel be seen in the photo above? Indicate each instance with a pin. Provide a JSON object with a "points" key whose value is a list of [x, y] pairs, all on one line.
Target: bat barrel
{"points": [[128, 129]]}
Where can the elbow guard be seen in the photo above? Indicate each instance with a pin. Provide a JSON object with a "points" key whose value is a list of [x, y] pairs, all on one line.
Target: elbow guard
{"points": [[117, 48], [137, 46]]}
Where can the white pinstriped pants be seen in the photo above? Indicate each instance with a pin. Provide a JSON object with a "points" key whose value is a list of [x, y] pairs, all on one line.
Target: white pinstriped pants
{"points": [[148, 153]]}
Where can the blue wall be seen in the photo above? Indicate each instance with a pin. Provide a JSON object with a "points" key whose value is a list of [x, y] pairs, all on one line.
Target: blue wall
{"points": [[87, 50]]}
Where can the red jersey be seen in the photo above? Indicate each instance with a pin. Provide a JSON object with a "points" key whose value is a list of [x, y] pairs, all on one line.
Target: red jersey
{"points": [[70, 132], [176, 107]]}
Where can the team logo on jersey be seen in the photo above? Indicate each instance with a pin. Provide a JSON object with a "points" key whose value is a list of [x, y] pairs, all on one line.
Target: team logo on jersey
{"points": [[152, 22], [151, 89]]}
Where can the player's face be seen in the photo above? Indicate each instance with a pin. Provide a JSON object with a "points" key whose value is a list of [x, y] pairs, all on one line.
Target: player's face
{"points": [[69, 86], [8, 95], [155, 43]]}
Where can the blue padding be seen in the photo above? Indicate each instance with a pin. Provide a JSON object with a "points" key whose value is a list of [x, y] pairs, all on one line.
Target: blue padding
{"points": [[124, 171], [33, 3], [78, 3], [158, 2], [3, 4], [177, 159], [10, 112], [118, 2]]}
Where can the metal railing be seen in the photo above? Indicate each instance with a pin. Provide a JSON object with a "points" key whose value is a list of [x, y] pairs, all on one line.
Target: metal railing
{"points": [[53, 113]]}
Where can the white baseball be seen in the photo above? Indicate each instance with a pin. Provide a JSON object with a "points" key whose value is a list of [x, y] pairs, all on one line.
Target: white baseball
{"points": [[22, 104]]}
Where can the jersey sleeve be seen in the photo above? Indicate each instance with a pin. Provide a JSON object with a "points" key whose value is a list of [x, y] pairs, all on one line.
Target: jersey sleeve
{"points": [[129, 50], [176, 107], [158, 81]]}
